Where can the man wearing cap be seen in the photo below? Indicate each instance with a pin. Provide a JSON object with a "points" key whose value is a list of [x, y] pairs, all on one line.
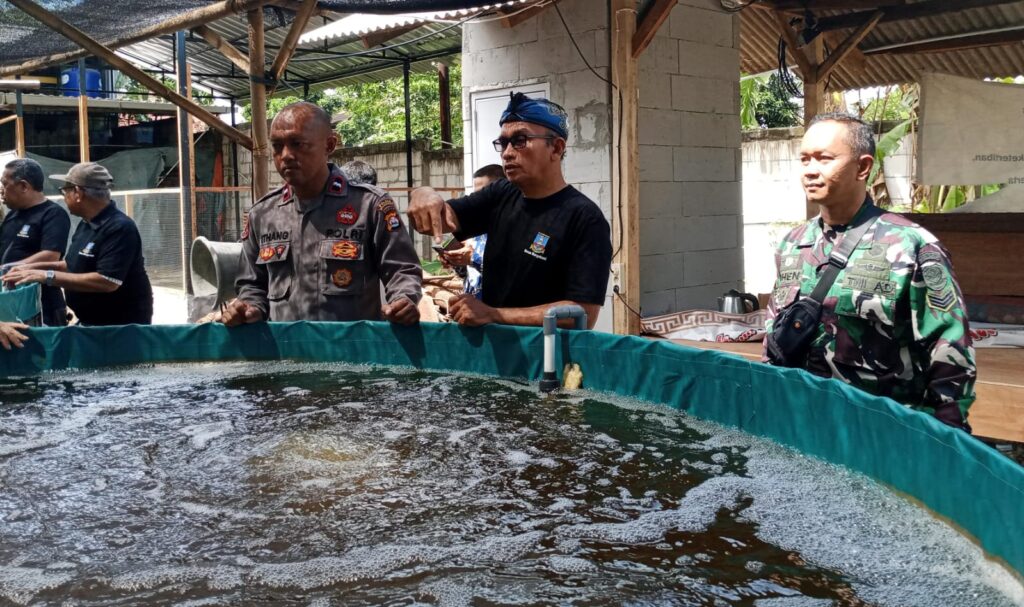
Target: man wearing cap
{"points": [[319, 247], [103, 277], [547, 245], [35, 230]]}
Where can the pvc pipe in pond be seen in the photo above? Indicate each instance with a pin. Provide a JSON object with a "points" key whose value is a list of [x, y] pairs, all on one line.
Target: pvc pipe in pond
{"points": [[549, 381]]}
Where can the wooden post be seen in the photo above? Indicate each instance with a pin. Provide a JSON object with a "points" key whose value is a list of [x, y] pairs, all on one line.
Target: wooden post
{"points": [[186, 162], [19, 125], [258, 97], [83, 115], [444, 93], [814, 96], [625, 166], [80, 38]]}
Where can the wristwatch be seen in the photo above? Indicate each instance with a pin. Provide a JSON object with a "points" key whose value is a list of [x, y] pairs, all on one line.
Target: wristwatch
{"points": [[49, 277]]}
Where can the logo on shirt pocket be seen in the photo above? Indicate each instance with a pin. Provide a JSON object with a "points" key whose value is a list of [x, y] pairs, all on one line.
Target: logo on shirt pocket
{"points": [[539, 246], [23, 233], [88, 250]]}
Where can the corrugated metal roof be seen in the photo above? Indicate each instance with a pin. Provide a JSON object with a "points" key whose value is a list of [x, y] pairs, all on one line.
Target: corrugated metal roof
{"points": [[320, 65], [362, 24], [759, 39], [334, 56]]}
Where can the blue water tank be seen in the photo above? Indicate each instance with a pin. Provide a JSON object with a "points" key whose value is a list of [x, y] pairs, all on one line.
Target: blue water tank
{"points": [[69, 82]]}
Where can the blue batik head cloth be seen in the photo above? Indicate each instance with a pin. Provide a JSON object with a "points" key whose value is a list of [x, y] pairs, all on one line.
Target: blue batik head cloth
{"points": [[537, 111]]}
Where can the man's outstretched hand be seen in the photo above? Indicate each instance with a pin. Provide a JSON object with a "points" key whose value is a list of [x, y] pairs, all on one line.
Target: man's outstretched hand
{"points": [[429, 214], [240, 313], [401, 312]]}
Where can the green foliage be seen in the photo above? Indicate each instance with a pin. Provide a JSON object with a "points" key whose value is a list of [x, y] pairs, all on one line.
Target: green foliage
{"points": [[888, 144], [764, 103], [748, 106], [139, 92], [898, 103], [376, 110]]}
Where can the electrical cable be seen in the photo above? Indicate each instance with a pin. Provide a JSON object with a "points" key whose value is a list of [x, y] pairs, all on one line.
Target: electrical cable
{"points": [[615, 289], [582, 56]]}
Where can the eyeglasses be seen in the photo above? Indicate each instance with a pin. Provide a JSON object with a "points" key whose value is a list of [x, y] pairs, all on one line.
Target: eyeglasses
{"points": [[518, 141], [68, 188]]}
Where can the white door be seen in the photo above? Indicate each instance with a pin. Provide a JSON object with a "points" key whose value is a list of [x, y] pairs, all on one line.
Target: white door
{"points": [[487, 108]]}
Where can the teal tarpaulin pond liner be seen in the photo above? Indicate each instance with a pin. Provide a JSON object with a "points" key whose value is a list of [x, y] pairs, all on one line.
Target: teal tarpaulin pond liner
{"points": [[950, 472], [21, 304]]}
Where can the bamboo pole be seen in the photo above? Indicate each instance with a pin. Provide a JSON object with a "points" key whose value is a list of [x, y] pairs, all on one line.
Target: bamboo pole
{"points": [[258, 95], [291, 41], [626, 192], [19, 138], [180, 22], [186, 162], [80, 38], [83, 115], [227, 49]]}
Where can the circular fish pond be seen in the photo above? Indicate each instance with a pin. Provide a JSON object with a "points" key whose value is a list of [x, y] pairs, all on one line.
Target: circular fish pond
{"points": [[290, 483]]}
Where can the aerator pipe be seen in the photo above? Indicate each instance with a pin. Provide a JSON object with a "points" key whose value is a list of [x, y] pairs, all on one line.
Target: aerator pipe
{"points": [[549, 380]]}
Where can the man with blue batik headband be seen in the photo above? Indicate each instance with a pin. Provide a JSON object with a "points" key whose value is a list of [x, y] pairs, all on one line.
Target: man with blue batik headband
{"points": [[548, 244]]}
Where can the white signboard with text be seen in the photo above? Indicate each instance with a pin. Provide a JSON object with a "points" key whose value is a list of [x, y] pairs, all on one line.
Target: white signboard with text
{"points": [[970, 132]]}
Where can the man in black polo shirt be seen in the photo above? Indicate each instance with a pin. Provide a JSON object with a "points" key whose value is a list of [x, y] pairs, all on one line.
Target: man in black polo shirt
{"points": [[103, 278], [547, 243], [35, 230]]}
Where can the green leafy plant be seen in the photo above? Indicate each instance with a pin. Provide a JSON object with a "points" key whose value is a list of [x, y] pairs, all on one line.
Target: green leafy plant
{"points": [[764, 103], [376, 110]]}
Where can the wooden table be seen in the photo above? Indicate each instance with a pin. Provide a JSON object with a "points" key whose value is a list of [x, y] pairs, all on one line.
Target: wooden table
{"points": [[998, 412]]}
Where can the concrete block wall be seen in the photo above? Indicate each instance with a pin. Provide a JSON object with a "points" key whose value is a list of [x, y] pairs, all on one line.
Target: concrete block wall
{"points": [[691, 226], [540, 50]]}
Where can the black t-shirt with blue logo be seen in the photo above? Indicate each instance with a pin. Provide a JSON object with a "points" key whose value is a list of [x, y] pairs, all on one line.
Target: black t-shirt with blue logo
{"points": [[110, 245], [538, 250], [25, 232]]}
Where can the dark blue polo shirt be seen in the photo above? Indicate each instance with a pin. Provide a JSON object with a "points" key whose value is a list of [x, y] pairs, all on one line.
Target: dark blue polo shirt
{"points": [[25, 232], [110, 245]]}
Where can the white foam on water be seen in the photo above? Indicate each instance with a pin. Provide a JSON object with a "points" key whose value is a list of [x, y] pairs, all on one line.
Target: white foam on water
{"points": [[570, 564], [200, 435], [219, 578], [518, 458], [456, 436], [214, 512], [807, 506], [21, 584], [695, 513]]}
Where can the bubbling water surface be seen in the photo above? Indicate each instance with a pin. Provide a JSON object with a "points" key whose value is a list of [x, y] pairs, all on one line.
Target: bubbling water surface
{"points": [[303, 484]]}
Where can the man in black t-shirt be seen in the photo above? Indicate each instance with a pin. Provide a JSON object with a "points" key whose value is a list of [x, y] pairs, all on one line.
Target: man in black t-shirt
{"points": [[547, 245], [104, 276], [36, 230]]}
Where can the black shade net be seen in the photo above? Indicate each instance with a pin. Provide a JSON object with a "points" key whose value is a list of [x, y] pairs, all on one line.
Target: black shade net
{"points": [[22, 38]]}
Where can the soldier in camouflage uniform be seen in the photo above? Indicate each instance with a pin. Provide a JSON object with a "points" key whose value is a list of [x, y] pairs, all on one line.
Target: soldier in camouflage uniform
{"points": [[318, 248], [894, 322]]}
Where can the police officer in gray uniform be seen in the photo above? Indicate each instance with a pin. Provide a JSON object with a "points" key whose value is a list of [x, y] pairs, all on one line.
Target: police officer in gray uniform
{"points": [[318, 247]]}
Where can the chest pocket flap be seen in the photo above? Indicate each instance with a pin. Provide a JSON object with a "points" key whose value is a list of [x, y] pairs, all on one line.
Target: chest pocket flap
{"points": [[342, 250], [340, 272]]}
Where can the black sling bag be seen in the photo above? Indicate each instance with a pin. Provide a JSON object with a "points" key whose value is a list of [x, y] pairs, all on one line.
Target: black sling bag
{"points": [[796, 324]]}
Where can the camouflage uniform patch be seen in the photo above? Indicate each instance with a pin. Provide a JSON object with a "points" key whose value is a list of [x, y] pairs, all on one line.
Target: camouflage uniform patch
{"points": [[940, 290]]}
